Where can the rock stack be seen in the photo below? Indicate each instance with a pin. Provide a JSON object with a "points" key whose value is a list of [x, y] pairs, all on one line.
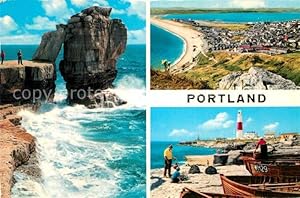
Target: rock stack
{"points": [[92, 44]]}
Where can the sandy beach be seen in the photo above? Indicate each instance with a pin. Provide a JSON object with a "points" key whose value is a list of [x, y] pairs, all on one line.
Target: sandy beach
{"points": [[194, 43], [162, 187]]}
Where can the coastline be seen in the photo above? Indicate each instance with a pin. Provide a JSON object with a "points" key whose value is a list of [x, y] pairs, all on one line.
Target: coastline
{"points": [[184, 46], [17, 147], [193, 43]]}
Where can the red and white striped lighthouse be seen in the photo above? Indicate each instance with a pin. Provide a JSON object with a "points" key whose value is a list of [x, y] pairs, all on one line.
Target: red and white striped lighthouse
{"points": [[239, 125]]}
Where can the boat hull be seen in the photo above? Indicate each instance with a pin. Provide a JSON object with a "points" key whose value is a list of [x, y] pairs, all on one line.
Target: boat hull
{"points": [[272, 168], [188, 193], [250, 186]]}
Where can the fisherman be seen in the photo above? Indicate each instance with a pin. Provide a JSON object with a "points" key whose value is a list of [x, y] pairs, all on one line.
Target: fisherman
{"points": [[2, 56], [175, 176], [168, 157], [20, 57], [263, 148]]}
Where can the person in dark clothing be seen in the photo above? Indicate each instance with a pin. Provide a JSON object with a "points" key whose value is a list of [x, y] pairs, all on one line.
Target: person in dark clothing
{"points": [[20, 57], [263, 148], [2, 56]]}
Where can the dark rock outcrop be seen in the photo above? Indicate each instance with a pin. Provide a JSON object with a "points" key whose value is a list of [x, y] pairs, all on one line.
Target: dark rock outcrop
{"points": [[104, 99], [256, 78], [32, 76], [93, 42], [50, 45]]}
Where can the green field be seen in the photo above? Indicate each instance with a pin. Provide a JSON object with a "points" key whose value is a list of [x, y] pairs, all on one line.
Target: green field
{"points": [[163, 11], [208, 73]]}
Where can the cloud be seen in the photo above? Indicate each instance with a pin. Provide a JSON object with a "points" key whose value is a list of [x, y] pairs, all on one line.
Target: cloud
{"points": [[21, 39], [137, 36], [41, 23], [248, 3], [248, 120], [7, 25], [180, 133], [57, 8], [271, 127], [85, 3], [137, 7], [117, 11], [3, 1], [221, 121]]}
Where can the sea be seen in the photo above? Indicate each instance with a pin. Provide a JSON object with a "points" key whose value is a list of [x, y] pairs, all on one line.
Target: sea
{"points": [[179, 152], [165, 45], [84, 152]]}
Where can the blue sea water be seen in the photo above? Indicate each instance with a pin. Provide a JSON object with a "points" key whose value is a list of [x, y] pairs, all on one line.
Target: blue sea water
{"points": [[179, 151], [238, 17], [90, 152], [164, 45]]}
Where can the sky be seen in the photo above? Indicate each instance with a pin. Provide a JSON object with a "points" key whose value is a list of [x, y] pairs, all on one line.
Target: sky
{"points": [[181, 124], [226, 3], [25, 21]]}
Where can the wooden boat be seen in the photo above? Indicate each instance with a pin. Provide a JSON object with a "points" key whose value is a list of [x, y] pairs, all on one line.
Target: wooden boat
{"points": [[276, 167], [272, 156], [188, 193], [256, 186]]}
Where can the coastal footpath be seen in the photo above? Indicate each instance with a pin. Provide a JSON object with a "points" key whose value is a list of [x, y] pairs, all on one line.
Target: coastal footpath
{"points": [[193, 39]]}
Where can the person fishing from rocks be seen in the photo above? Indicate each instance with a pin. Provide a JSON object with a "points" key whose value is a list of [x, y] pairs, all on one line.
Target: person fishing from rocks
{"points": [[168, 157]]}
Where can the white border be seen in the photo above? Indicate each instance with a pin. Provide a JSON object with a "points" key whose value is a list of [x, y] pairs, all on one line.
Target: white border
{"points": [[171, 98]]}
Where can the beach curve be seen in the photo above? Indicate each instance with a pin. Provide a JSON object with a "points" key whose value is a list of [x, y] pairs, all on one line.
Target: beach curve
{"points": [[193, 43]]}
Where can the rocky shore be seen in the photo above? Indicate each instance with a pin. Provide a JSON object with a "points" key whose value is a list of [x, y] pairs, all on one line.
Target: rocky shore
{"points": [[16, 146], [233, 149], [92, 43], [162, 187]]}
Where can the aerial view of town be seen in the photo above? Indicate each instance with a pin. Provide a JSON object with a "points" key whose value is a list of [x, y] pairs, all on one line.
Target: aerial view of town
{"points": [[225, 48]]}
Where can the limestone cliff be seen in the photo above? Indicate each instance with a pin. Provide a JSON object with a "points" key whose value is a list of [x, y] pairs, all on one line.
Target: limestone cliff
{"points": [[16, 146], [92, 46], [32, 75], [256, 78]]}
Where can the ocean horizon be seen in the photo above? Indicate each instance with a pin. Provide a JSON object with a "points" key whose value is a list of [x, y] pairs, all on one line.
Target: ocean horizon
{"points": [[82, 150], [238, 17], [179, 151]]}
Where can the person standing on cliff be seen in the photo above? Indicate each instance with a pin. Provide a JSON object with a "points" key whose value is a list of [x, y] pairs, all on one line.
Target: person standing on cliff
{"points": [[2, 56], [263, 148], [168, 157], [20, 57]]}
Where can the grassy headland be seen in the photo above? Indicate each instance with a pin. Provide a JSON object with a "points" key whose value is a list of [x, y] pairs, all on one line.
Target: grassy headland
{"points": [[163, 11], [208, 73]]}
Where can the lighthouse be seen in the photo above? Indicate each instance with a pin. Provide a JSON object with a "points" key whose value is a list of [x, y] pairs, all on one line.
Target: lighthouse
{"points": [[239, 126]]}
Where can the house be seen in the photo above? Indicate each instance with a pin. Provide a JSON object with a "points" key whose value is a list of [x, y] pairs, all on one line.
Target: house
{"points": [[288, 136]]}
